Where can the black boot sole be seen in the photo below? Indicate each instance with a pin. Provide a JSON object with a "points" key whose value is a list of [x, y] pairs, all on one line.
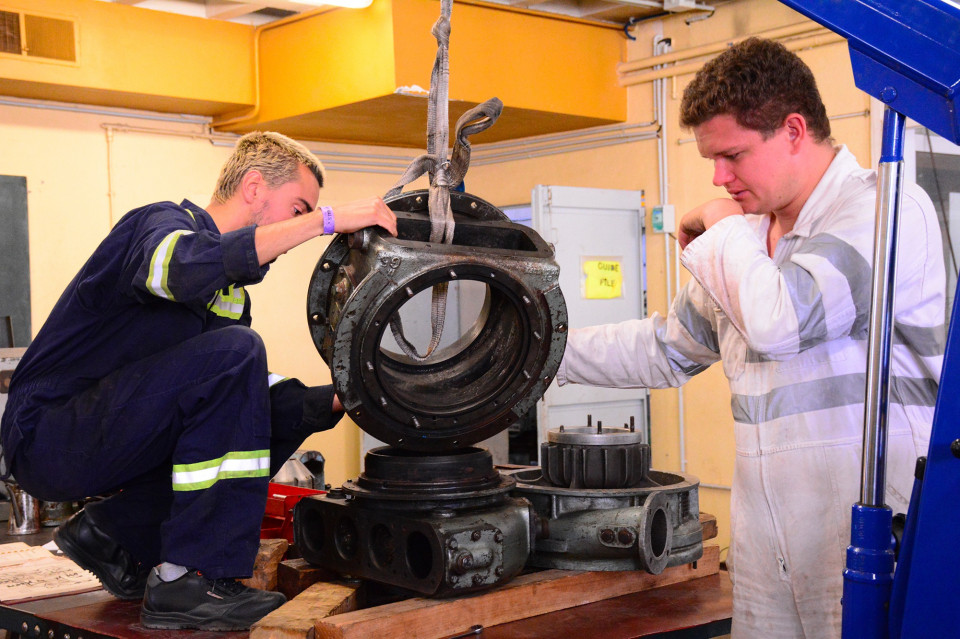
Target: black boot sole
{"points": [[85, 561], [186, 621]]}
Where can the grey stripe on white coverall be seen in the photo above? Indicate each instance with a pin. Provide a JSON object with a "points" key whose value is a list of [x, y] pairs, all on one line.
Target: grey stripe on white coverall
{"points": [[791, 332]]}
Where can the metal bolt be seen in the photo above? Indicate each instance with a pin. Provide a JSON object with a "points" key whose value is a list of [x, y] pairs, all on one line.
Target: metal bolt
{"points": [[416, 422], [498, 537], [452, 544], [955, 448], [383, 401], [477, 580], [498, 571], [536, 335], [51, 634], [325, 266], [476, 535], [463, 563], [453, 274], [888, 95], [369, 366], [419, 199], [607, 536], [25, 626], [473, 205], [561, 328], [625, 537]]}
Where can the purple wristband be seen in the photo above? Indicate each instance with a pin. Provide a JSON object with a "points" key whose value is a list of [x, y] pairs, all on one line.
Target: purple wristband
{"points": [[328, 226]]}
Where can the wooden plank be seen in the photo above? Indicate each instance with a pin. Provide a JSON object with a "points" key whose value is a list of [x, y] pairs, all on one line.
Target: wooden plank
{"points": [[709, 523], [705, 604], [296, 618], [295, 575], [526, 596], [265, 566]]}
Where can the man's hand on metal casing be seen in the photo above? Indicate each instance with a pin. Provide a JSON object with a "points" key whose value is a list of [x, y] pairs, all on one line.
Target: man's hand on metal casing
{"points": [[354, 216], [696, 221]]}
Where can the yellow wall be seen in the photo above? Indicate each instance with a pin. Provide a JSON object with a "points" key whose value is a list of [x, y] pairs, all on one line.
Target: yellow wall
{"points": [[123, 57], [64, 156], [327, 60]]}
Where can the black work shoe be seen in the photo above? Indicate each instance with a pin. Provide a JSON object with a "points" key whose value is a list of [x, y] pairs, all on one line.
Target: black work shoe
{"points": [[194, 601], [92, 549]]}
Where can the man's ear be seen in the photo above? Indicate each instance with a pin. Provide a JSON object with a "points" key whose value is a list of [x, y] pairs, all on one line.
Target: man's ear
{"points": [[796, 127], [251, 185]]}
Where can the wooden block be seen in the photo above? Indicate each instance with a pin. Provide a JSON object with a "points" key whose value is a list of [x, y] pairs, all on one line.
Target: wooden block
{"points": [[265, 567], [296, 618], [295, 575], [526, 596], [709, 523]]}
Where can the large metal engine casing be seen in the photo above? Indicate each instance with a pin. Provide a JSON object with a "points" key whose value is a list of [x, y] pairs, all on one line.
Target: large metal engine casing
{"points": [[471, 390], [649, 527], [439, 525]]}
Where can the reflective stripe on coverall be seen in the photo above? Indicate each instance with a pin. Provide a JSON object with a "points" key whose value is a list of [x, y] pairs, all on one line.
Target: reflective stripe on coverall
{"points": [[791, 331]]}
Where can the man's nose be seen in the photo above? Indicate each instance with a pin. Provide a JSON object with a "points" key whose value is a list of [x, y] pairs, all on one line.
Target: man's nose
{"points": [[721, 173]]}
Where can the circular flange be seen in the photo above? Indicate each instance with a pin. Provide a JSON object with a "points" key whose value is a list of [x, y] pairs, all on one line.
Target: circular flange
{"points": [[408, 480], [532, 481], [466, 392], [587, 436]]}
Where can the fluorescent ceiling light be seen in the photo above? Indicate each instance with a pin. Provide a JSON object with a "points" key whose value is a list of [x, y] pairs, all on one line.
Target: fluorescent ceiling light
{"points": [[349, 4]]}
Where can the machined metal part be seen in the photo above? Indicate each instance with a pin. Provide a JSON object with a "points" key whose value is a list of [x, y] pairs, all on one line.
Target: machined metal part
{"points": [[585, 457], [396, 479], [472, 389], [304, 469], [403, 524], [648, 527], [600, 507]]}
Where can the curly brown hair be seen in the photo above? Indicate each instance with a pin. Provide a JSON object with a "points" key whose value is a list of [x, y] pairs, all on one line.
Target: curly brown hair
{"points": [[758, 82]]}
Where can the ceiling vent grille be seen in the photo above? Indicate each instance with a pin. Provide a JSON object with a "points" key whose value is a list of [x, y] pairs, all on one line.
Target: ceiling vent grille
{"points": [[9, 32], [38, 36]]}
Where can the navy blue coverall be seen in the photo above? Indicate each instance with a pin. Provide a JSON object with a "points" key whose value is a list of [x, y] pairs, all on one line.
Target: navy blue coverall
{"points": [[147, 382]]}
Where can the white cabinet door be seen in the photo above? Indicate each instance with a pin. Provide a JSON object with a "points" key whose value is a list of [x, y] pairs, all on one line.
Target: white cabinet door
{"points": [[598, 235]]}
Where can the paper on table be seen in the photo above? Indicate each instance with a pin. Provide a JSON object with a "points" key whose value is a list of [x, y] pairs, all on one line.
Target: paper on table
{"points": [[29, 572]]}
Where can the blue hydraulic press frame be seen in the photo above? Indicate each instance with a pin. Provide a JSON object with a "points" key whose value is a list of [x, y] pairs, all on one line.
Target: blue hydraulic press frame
{"points": [[906, 53]]}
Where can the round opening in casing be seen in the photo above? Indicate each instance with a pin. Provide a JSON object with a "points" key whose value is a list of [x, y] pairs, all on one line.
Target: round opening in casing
{"points": [[419, 555], [346, 538], [658, 533]]}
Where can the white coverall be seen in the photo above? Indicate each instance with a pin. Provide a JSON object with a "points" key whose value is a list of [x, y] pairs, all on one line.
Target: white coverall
{"points": [[791, 331]]}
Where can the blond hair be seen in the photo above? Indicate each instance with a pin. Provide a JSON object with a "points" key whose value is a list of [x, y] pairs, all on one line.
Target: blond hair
{"points": [[275, 156]]}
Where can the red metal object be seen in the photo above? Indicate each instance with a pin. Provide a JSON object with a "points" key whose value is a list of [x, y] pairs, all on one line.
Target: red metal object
{"points": [[278, 517]]}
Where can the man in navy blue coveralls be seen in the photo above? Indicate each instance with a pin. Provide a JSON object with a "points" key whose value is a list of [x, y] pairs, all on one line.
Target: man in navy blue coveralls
{"points": [[146, 383]]}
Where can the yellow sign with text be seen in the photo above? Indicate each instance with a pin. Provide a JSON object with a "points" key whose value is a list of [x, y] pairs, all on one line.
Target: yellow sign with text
{"points": [[604, 279]]}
